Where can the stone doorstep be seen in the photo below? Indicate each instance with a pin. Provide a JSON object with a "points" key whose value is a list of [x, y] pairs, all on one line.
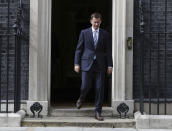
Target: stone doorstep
{"points": [[77, 122], [83, 117], [73, 112]]}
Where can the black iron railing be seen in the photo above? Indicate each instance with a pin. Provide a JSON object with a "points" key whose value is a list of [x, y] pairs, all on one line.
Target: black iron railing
{"points": [[153, 46], [10, 62], [154, 56]]}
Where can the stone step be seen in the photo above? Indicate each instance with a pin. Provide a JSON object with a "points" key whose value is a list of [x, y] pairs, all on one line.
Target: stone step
{"points": [[109, 122], [73, 112]]}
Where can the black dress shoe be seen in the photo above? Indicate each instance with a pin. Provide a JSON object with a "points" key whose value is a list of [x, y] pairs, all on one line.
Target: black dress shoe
{"points": [[78, 104], [98, 116]]}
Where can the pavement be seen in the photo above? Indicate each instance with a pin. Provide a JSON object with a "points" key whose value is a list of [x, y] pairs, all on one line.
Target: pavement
{"points": [[74, 129]]}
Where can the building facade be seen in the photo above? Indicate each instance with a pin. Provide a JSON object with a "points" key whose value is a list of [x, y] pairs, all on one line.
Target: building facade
{"points": [[140, 47]]}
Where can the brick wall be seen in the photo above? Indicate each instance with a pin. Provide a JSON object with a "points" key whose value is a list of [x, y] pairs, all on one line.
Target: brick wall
{"points": [[157, 48], [7, 73]]}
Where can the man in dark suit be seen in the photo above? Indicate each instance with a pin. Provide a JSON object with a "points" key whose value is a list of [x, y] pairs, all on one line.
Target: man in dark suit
{"points": [[93, 57]]}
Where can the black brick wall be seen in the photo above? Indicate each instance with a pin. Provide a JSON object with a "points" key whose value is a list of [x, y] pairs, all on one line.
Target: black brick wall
{"points": [[10, 59], [157, 48]]}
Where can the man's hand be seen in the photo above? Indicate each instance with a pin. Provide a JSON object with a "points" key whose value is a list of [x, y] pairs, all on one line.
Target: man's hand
{"points": [[109, 70], [77, 68]]}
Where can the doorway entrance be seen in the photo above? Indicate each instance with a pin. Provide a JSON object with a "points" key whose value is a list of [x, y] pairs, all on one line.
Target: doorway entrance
{"points": [[68, 19]]}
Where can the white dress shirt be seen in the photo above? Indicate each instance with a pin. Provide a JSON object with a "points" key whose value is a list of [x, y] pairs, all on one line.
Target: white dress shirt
{"points": [[97, 33]]}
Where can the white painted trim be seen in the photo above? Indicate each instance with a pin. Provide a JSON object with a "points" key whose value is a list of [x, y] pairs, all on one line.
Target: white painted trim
{"points": [[49, 54], [40, 52], [129, 52], [119, 52], [118, 49]]}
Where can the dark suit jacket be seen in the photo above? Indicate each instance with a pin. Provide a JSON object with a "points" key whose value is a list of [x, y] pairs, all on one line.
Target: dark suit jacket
{"points": [[85, 51]]}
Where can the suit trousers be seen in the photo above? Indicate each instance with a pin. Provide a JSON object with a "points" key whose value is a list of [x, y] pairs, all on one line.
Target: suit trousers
{"points": [[94, 74]]}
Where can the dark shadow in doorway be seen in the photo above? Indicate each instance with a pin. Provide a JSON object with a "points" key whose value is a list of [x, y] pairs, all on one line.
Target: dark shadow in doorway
{"points": [[68, 18]]}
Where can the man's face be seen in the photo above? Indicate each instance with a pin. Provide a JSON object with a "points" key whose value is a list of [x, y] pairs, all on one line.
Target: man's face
{"points": [[95, 23]]}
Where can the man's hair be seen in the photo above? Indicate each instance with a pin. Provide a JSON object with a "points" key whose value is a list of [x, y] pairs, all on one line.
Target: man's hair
{"points": [[96, 15]]}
